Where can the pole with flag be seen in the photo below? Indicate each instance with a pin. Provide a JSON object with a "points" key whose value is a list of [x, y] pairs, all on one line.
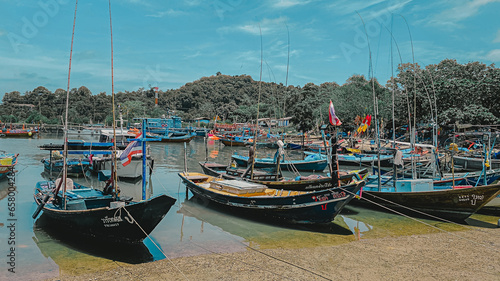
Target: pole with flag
{"points": [[334, 121]]}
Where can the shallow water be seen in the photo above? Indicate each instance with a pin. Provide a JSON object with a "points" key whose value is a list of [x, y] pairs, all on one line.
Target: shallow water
{"points": [[189, 228]]}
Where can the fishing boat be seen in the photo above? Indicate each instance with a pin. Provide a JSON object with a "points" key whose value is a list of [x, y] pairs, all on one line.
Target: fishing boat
{"points": [[94, 213], [474, 163], [236, 140], [173, 136], [7, 163], [300, 183], [97, 157], [229, 172], [364, 160], [259, 202], [420, 197], [313, 162], [18, 133], [75, 166], [100, 214]]}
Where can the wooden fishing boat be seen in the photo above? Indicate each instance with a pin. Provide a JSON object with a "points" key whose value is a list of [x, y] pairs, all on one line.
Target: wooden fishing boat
{"points": [[364, 160], [7, 162], [102, 214], [235, 141], [314, 162], [455, 204], [473, 163], [93, 213], [301, 183], [18, 133], [172, 136], [260, 202], [76, 166], [228, 172]]}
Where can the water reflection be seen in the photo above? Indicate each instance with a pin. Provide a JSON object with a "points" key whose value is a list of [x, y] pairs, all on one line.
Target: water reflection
{"points": [[53, 242], [190, 228], [357, 227], [248, 227]]}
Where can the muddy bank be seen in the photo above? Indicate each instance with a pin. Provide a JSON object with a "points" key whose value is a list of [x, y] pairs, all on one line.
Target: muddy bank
{"points": [[463, 255]]}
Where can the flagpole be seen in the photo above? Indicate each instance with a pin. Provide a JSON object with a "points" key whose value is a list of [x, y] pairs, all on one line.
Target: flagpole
{"points": [[144, 156]]}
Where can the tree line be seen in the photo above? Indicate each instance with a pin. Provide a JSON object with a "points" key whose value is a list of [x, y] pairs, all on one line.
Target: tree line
{"points": [[446, 93]]}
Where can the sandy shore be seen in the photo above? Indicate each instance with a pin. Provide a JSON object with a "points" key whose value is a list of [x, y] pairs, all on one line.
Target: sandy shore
{"points": [[464, 255]]}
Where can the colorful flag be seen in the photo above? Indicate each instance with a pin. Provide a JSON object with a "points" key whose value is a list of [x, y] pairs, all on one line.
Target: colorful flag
{"points": [[334, 120], [367, 121], [133, 148]]}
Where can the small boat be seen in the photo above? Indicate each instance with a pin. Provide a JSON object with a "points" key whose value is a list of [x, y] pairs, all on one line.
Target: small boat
{"points": [[172, 136], [364, 160], [18, 133], [131, 171], [473, 163], [94, 213], [98, 158], [301, 183], [260, 202], [235, 141], [76, 166], [101, 214], [313, 162], [7, 163], [445, 202], [228, 172]]}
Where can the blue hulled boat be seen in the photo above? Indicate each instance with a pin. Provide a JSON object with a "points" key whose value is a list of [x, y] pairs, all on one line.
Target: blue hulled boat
{"points": [[313, 162]]}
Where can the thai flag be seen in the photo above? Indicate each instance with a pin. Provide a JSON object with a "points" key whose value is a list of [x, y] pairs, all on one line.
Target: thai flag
{"points": [[334, 120], [133, 148]]}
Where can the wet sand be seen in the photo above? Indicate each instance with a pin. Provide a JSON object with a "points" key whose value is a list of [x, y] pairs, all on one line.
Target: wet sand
{"points": [[459, 255]]}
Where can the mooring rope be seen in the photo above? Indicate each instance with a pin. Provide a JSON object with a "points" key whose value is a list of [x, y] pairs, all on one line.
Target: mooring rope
{"points": [[156, 245], [234, 259], [422, 222], [268, 255]]}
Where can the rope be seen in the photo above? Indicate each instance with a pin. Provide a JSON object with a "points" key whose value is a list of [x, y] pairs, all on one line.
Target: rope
{"points": [[156, 245], [258, 251], [234, 259], [422, 222]]}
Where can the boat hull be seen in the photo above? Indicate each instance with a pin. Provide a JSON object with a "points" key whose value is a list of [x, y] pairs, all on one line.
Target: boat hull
{"points": [[474, 164], [452, 204], [106, 223], [270, 181], [132, 171], [300, 165], [317, 207]]}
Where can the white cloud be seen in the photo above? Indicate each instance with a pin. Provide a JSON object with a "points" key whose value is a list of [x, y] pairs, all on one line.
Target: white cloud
{"points": [[460, 11], [191, 56], [267, 26], [494, 55], [289, 3], [346, 7], [497, 38], [2, 32], [169, 12]]}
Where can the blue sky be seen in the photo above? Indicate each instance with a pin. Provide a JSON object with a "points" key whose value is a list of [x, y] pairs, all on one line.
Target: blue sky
{"points": [[170, 43]]}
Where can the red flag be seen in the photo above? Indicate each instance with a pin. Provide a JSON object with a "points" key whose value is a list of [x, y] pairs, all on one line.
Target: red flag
{"points": [[368, 120], [334, 120]]}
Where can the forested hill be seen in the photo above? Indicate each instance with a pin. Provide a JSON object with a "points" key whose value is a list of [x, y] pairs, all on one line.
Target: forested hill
{"points": [[463, 93]]}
